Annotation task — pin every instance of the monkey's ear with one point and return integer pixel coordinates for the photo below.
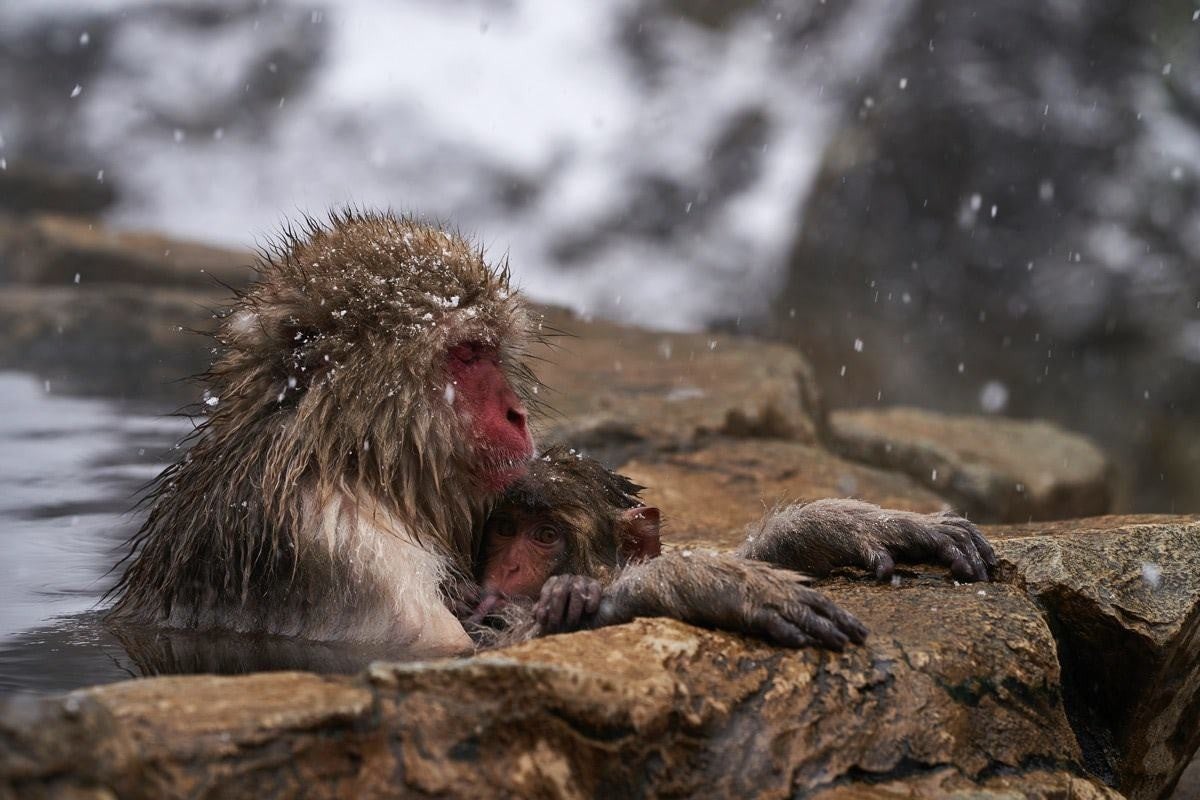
(640, 533)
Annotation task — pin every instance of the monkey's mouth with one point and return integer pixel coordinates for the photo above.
(500, 473)
(499, 479)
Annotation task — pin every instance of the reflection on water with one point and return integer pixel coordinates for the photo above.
(63, 653)
(70, 472)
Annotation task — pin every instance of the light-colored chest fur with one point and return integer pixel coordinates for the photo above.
(401, 601)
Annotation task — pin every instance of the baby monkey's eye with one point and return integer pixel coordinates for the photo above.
(503, 527)
(546, 534)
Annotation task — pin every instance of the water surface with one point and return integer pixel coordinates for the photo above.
(70, 472)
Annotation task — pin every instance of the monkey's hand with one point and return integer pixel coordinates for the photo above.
(567, 603)
(821, 536)
(726, 592)
(472, 603)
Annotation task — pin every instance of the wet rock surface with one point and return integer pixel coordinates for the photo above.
(1189, 784)
(1123, 596)
(994, 469)
(975, 689)
(650, 708)
(1033, 785)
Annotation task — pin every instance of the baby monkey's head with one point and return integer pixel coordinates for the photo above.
(568, 514)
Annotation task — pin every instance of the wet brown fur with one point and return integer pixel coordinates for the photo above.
(329, 379)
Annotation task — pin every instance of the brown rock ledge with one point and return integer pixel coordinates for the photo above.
(983, 690)
(28, 187)
(994, 469)
(622, 390)
(1122, 595)
(52, 250)
(646, 709)
(119, 339)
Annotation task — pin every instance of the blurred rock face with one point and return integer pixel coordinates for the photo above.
(1011, 205)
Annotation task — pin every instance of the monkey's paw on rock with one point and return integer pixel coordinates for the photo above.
(1074, 676)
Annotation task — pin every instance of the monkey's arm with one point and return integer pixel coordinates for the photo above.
(711, 590)
(821, 536)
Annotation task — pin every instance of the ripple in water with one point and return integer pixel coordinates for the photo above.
(70, 472)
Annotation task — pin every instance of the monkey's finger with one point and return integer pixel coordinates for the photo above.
(823, 630)
(881, 563)
(559, 605)
(960, 567)
(548, 618)
(851, 625)
(539, 614)
(974, 544)
(984, 547)
(981, 570)
(846, 622)
(547, 615)
(779, 631)
(591, 596)
(967, 546)
(575, 604)
(543, 607)
(989, 555)
(485, 607)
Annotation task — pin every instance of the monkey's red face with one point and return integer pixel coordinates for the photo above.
(521, 550)
(494, 414)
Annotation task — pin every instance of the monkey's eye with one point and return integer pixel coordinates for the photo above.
(502, 527)
(546, 534)
(467, 353)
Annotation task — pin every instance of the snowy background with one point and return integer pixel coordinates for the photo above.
(530, 123)
(980, 208)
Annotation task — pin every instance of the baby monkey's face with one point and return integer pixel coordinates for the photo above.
(522, 548)
(566, 515)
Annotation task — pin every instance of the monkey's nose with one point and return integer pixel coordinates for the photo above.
(517, 417)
